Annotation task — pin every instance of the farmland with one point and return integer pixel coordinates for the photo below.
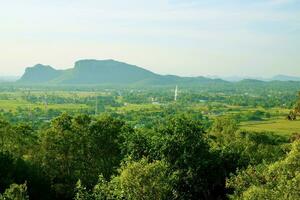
(138, 105)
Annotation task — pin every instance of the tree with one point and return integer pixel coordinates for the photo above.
(58, 146)
(81, 192)
(6, 136)
(142, 180)
(15, 192)
(183, 144)
(297, 107)
(146, 181)
(223, 129)
(105, 136)
(25, 140)
(139, 143)
(293, 113)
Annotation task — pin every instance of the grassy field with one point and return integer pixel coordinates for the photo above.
(14, 104)
(281, 126)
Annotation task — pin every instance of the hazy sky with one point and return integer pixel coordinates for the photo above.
(183, 37)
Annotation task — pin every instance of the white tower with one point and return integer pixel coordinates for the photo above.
(176, 93)
(96, 106)
(46, 103)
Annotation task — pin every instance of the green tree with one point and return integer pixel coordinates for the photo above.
(105, 140)
(297, 107)
(293, 113)
(223, 129)
(183, 144)
(142, 180)
(81, 192)
(25, 139)
(58, 146)
(6, 136)
(15, 192)
(148, 181)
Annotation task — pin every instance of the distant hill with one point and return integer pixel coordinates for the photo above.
(238, 78)
(285, 78)
(111, 72)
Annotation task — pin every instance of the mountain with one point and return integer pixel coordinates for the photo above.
(105, 72)
(110, 72)
(40, 74)
(285, 78)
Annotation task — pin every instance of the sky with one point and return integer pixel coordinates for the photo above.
(182, 37)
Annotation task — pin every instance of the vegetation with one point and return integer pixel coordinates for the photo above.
(278, 180)
(88, 143)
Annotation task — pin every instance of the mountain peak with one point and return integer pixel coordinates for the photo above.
(39, 73)
(40, 67)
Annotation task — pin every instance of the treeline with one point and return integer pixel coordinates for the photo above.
(255, 96)
(179, 157)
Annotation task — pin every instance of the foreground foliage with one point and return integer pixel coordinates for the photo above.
(279, 180)
(184, 156)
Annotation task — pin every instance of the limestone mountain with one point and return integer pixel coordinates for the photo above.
(94, 72)
(40, 74)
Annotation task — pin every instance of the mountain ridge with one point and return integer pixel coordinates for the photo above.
(91, 71)
(112, 72)
(281, 77)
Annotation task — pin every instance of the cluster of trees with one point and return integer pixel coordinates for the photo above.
(265, 99)
(180, 157)
(293, 113)
(71, 148)
(256, 115)
(278, 180)
(15, 192)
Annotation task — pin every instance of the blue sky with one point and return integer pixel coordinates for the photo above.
(183, 37)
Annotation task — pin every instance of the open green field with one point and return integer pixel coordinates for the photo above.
(280, 126)
(14, 104)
